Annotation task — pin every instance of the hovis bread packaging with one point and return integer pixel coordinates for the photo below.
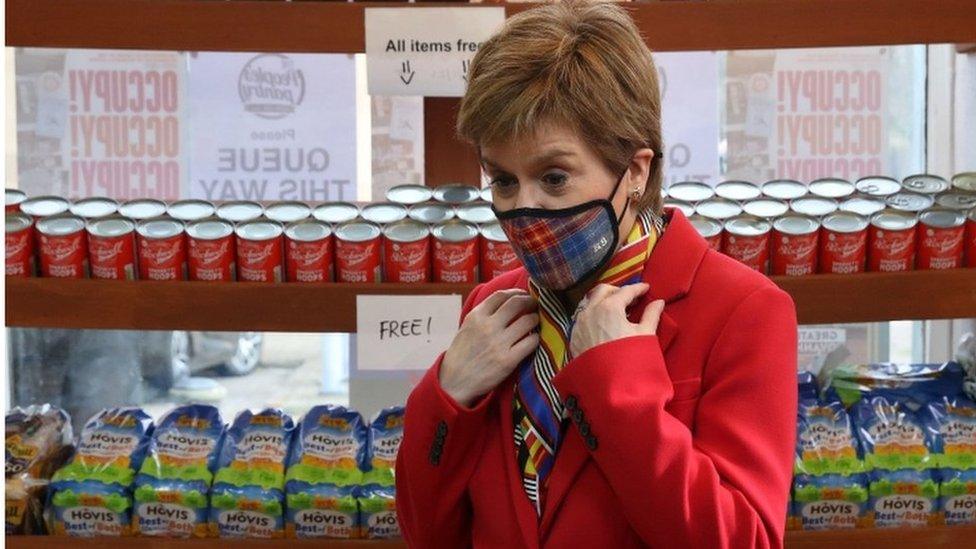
(38, 442)
(377, 497)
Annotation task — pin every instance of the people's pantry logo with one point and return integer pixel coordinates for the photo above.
(270, 86)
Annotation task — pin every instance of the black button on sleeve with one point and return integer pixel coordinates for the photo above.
(577, 416)
(571, 402)
(591, 443)
(442, 428)
(584, 429)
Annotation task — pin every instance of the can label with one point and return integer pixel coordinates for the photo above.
(456, 261)
(715, 241)
(162, 258)
(752, 251)
(406, 261)
(939, 248)
(971, 243)
(310, 261)
(497, 258)
(211, 260)
(19, 249)
(259, 260)
(891, 251)
(64, 256)
(112, 257)
(793, 254)
(358, 261)
(843, 253)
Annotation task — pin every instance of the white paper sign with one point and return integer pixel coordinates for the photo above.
(404, 332)
(425, 51)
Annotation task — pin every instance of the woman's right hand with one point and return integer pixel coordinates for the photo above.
(493, 340)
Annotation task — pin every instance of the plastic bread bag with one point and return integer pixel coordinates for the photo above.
(807, 386)
(955, 453)
(377, 499)
(912, 384)
(172, 485)
(38, 442)
(825, 440)
(829, 502)
(92, 494)
(247, 498)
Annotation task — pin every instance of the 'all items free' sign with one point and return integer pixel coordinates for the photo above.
(425, 51)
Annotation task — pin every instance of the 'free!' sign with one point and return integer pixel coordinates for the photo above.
(404, 332)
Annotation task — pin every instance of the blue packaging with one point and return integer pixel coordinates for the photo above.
(954, 419)
(915, 385)
(377, 498)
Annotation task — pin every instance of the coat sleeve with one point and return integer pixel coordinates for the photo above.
(727, 482)
(441, 440)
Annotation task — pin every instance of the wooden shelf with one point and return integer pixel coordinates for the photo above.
(240, 306)
(52, 542)
(337, 27)
(884, 538)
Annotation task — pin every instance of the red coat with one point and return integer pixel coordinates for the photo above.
(691, 432)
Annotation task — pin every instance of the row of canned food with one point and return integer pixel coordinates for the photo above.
(454, 239)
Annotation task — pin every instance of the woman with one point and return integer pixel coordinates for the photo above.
(628, 386)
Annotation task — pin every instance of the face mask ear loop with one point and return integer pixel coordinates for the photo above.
(613, 193)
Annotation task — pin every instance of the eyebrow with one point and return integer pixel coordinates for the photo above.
(541, 159)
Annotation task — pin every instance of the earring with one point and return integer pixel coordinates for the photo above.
(635, 193)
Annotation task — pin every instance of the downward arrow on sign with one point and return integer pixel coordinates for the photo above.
(407, 75)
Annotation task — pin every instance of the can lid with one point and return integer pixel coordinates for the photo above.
(409, 194)
(925, 183)
(336, 212)
(190, 210)
(486, 195)
(494, 232)
(43, 206)
(814, 205)
(431, 213)
(690, 191)
(685, 207)
(159, 227)
(110, 227)
(17, 221)
(766, 207)
(308, 230)
(863, 205)
(357, 231)
(845, 222)
(784, 189)
(239, 211)
(143, 208)
(406, 230)
(737, 190)
(972, 215)
(15, 196)
(96, 206)
(288, 211)
(796, 224)
(475, 213)
(956, 200)
(455, 231)
(894, 220)
(831, 187)
(210, 229)
(456, 193)
(60, 225)
(383, 213)
(877, 185)
(718, 208)
(260, 229)
(910, 202)
(942, 218)
(747, 225)
(706, 226)
(965, 181)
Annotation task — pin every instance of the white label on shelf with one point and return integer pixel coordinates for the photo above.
(425, 51)
(404, 332)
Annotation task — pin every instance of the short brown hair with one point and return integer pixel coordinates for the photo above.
(578, 63)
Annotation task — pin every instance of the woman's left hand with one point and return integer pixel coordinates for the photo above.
(603, 316)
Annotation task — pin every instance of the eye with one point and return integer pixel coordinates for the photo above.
(555, 179)
(504, 183)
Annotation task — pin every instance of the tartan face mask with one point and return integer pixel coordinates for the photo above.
(563, 248)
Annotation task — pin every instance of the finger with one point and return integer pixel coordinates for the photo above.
(523, 325)
(497, 299)
(652, 316)
(599, 293)
(524, 347)
(515, 307)
(628, 294)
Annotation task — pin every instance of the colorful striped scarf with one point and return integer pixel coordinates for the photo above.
(538, 410)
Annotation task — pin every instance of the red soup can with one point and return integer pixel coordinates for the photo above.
(19, 245)
(358, 255)
(940, 238)
(44, 206)
(63, 246)
(709, 229)
(309, 253)
(142, 208)
(843, 244)
(406, 252)
(13, 199)
(456, 252)
(161, 242)
(497, 255)
(211, 250)
(191, 210)
(95, 207)
(747, 241)
(971, 238)
(259, 251)
(112, 248)
(891, 241)
(794, 245)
